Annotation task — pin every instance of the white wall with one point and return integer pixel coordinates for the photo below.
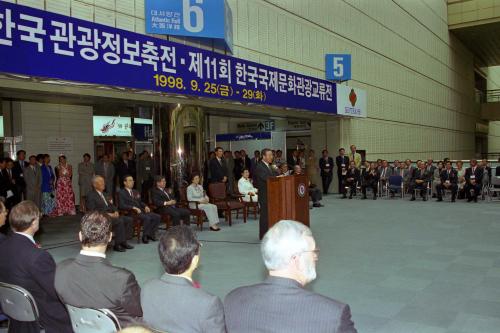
(43, 120)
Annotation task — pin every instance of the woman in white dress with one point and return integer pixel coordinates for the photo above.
(246, 188)
(196, 193)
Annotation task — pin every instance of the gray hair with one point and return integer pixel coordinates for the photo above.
(95, 178)
(284, 240)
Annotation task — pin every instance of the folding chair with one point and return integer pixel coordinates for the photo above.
(18, 304)
(395, 184)
(85, 320)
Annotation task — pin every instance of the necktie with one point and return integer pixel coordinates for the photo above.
(103, 198)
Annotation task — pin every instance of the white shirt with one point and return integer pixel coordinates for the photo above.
(27, 236)
(93, 254)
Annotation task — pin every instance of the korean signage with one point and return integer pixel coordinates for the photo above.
(351, 101)
(243, 137)
(253, 126)
(43, 44)
(195, 18)
(338, 67)
(112, 126)
(143, 129)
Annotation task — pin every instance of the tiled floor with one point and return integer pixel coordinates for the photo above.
(402, 266)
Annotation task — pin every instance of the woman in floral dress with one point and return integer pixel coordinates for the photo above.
(65, 197)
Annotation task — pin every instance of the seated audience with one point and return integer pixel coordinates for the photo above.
(246, 188)
(385, 172)
(436, 178)
(350, 180)
(283, 169)
(281, 303)
(371, 178)
(448, 181)
(473, 179)
(195, 192)
(314, 191)
(122, 225)
(172, 302)
(484, 164)
(24, 263)
(166, 203)
(419, 181)
(90, 281)
(130, 199)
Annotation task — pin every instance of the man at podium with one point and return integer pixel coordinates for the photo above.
(263, 170)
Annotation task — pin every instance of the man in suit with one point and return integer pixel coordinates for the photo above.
(473, 178)
(350, 180)
(106, 169)
(314, 192)
(189, 309)
(247, 162)
(371, 178)
(354, 156)
(90, 281)
(33, 180)
(13, 197)
(25, 264)
(145, 174)
(166, 203)
(326, 167)
(449, 181)
(125, 167)
(293, 160)
(281, 303)
(342, 162)
(130, 199)
(18, 173)
(218, 169)
(419, 180)
(229, 161)
(122, 225)
(263, 171)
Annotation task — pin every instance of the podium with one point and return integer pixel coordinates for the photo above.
(288, 199)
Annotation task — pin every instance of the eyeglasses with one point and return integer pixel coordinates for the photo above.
(315, 251)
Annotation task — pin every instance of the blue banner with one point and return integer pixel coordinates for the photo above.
(195, 18)
(243, 136)
(38, 43)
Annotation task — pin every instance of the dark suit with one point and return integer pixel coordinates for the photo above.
(293, 161)
(121, 225)
(419, 174)
(218, 170)
(473, 182)
(123, 169)
(448, 178)
(18, 175)
(176, 213)
(353, 174)
(92, 282)
(150, 220)
(283, 305)
(262, 173)
(25, 265)
(339, 160)
(189, 309)
(371, 178)
(326, 167)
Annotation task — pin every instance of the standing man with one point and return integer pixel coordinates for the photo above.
(106, 169)
(342, 162)
(228, 158)
(130, 199)
(326, 167)
(33, 179)
(263, 171)
(218, 168)
(144, 174)
(354, 156)
(18, 173)
(125, 167)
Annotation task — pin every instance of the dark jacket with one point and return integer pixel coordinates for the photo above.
(339, 160)
(123, 170)
(127, 201)
(478, 174)
(159, 197)
(92, 282)
(323, 166)
(22, 263)
(282, 305)
(371, 177)
(452, 176)
(17, 172)
(419, 174)
(261, 174)
(95, 202)
(217, 170)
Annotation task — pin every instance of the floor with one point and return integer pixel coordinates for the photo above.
(402, 266)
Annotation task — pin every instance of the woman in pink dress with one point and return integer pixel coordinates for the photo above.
(65, 197)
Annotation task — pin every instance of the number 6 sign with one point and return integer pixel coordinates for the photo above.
(338, 67)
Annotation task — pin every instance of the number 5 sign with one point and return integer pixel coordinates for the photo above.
(338, 67)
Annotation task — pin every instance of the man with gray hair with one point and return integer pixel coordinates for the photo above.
(281, 303)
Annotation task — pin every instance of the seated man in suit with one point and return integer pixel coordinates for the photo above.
(350, 180)
(314, 191)
(419, 181)
(122, 225)
(449, 181)
(281, 303)
(23, 263)
(90, 281)
(473, 179)
(370, 180)
(130, 199)
(189, 309)
(166, 203)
